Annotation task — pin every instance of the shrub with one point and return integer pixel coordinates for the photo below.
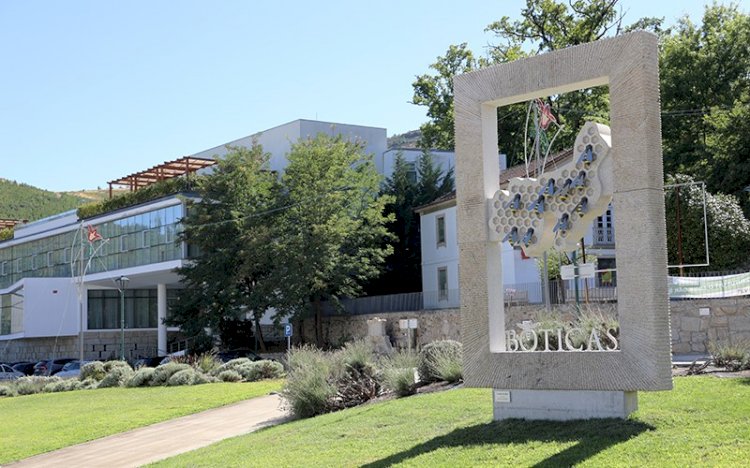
(93, 370)
(234, 364)
(440, 360)
(6, 391)
(207, 363)
(307, 390)
(32, 384)
(163, 372)
(182, 377)
(398, 372)
(63, 386)
(89, 383)
(230, 376)
(265, 369)
(733, 357)
(117, 376)
(110, 365)
(357, 354)
(142, 377)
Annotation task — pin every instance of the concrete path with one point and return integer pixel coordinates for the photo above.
(166, 439)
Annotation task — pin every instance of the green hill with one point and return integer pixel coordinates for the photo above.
(22, 201)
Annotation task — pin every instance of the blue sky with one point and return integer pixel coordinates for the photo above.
(94, 90)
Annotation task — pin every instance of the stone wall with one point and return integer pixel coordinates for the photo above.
(697, 323)
(433, 325)
(727, 320)
(97, 345)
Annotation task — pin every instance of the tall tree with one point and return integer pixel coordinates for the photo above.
(231, 238)
(704, 90)
(403, 269)
(545, 25)
(333, 230)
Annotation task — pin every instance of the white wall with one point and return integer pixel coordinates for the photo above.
(278, 140)
(435, 257)
(445, 160)
(50, 307)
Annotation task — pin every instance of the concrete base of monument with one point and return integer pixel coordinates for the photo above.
(563, 405)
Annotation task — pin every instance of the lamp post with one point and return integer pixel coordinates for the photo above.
(122, 282)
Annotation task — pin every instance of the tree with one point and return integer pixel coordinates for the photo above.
(545, 25)
(704, 90)
(728, 229)
(230, 234)
(333, 234)
(403, 269)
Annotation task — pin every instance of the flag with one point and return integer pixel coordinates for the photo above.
(93, 235)
(545, 117)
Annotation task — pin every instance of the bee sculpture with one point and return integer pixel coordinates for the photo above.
(583, 186)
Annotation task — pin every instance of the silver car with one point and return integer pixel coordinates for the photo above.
(7, 373)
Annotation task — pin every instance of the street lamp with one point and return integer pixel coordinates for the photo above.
(122, 281)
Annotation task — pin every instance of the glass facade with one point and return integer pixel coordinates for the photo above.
(140, 308)
(141, 239)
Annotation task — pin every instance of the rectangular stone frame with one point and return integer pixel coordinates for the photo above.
(629, 65)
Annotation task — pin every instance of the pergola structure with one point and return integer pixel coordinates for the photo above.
(9, 223)
(163, 171)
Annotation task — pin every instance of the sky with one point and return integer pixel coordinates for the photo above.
(94, 90)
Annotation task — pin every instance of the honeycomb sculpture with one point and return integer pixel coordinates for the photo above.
(555, 210)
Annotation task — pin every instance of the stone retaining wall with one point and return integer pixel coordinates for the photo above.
(98, 345)
(727, 320)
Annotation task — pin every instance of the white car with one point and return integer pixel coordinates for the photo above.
(7, 373)
(71, 370)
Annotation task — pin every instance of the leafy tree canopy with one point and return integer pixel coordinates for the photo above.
(545, 25)
(332, 234)
(231, 238)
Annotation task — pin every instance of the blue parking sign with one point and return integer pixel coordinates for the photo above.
(288, 330)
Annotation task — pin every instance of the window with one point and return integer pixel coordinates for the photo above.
(124, 243)
(411, 171)
(18, 265)
(442, 284)
(145, 239)
(50, 259)
(34, 262)
(4, 268)
(440, 220)
(66, 255)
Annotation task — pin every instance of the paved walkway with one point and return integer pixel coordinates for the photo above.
(166, 439)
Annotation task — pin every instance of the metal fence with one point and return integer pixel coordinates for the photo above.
(560, 292)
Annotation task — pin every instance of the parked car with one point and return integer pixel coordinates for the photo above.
(7, 373)
(71, 369)
(148, 362)
(26, 368)
(51, 367)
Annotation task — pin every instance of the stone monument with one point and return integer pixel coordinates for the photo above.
(566, 383)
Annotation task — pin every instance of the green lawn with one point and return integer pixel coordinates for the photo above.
(704, 421)
(35, 424)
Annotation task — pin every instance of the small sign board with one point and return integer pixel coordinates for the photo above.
(502, 396)
(288, 331)
(585, 270)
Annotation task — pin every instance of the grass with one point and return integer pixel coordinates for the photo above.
(704, 421)
(35, 424)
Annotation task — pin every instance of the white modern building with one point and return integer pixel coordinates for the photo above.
(48, 308)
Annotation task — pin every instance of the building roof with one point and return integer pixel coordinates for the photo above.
(449, 199)
(165, 170)
(9, 223)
